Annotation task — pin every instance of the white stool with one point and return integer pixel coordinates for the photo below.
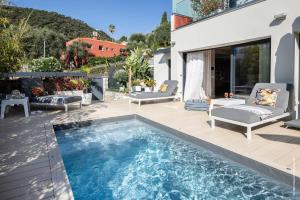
(8, 102)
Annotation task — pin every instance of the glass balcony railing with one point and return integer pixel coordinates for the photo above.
(196, 10)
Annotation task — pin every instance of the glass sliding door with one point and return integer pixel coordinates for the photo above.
(250, 65)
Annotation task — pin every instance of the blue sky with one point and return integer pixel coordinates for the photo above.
(129, 16)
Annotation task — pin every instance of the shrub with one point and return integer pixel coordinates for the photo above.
(93, 61)
(86, 69)
(49, 64)
(150, 83)
(121, 76)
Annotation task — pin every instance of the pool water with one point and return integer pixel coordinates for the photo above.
(133, 160)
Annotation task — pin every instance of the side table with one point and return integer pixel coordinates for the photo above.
(8, 102)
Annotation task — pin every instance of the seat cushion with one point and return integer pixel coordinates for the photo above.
(147, 95)
(56, 99)
(293, 123)
(242, 115)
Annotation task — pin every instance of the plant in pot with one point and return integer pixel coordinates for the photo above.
(87, 96)
(206, 8)
(150, 84)
(137, 85)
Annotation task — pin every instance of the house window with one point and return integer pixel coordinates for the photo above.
(112, 49)
(250, 65)
(101, 48)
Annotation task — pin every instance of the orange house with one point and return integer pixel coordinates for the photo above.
(100, 48)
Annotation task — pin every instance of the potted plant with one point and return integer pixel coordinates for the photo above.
(87, 96)
(150, 84)
(137, 85)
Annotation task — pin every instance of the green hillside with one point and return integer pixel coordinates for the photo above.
(58, 23)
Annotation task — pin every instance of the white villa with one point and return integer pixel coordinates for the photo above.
(232, 48)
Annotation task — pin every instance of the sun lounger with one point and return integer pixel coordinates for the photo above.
(293, 124)
(154, 96)
(250, 119)
(57, 100)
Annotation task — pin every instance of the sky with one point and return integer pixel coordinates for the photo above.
(129, 16)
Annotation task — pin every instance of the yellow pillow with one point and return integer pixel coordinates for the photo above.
(266, 97)
(163, 88)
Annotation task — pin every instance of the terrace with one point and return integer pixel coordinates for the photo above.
(190, 11)
(31, 166)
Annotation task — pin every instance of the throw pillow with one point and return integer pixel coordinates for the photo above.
(163, 88)
(266, 97)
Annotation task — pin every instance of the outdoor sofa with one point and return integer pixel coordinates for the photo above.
(250, 119)
(170, 93)
(57, 100)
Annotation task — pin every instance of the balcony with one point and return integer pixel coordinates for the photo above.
(188, 11)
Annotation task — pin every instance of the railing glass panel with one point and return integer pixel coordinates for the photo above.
(200, 9)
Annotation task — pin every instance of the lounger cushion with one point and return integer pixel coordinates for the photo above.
(171, 91)
(242, 115)
(293, 123)
(147, 95)
(172, 87)
(56, 99)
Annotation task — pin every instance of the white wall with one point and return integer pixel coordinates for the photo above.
(161, 70)
(246, 24)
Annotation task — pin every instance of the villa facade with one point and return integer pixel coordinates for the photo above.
(234, 47)
(100, 48)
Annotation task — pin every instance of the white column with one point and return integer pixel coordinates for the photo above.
(296, 74)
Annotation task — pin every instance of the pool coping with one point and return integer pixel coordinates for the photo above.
(263, 169)
(61, 185)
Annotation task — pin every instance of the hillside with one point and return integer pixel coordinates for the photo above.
(58, 23)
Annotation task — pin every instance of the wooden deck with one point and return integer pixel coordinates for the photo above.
(31, 166)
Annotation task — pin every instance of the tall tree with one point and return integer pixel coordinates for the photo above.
(161, 36)
(164, 18)
(112, 29)
(34, 40)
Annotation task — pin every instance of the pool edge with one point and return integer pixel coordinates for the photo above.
(266, 170)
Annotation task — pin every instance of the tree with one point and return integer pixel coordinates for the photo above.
(138, 37)
(137, 40)
(161, 36)
(112, 29)
(77, 54)
(123, 39)
(206, 7)
(164, 18)
(33, 43)
(137, 66)
(10, 46)
(71, 28)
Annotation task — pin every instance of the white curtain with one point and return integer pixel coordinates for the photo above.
(194, 76)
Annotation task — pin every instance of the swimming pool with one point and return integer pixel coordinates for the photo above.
(131, 159)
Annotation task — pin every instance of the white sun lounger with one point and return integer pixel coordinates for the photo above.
(249, 119)
(155, 96)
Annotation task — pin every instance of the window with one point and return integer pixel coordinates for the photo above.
(250, 65)
(101, 48)
(112, 49)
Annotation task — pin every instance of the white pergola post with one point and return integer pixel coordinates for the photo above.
(296, 74)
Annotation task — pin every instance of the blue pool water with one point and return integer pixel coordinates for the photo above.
(133, 160)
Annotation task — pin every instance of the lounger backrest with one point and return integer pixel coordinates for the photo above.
(283, 96)
(172, 87)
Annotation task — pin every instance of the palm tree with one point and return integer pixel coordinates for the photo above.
(112, 29)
